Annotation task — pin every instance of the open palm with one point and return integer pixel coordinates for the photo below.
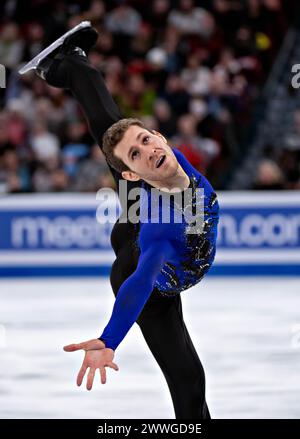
(96, 357)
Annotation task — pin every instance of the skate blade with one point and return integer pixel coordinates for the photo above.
(35, 61)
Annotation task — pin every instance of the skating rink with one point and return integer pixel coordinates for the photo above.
(245, 330)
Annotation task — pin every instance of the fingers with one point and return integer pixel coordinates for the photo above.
(103, 375)
(113, 366)
(73, 347)
(90, 379)
(91, 374)
(103, 371)
(89, 345)
(81, 374)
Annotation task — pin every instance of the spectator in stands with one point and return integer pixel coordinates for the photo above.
(14, 175)
(292, 139)
(75, 150)
(165, 117)
(269, 176)
(137, 99)
(123, 20)
(158, 15)
(199, 151)
(11, 45)
(49, 176)
(16, 124)
(197, 78)
(176, 95)
(44, 144)
(188, 19)
(93, 173)
(34, 40)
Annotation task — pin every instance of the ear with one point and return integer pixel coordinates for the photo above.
(159, 135)
(131, 176)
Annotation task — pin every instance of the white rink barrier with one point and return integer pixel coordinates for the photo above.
(58, 235)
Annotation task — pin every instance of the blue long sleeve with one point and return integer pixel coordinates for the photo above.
(135, 291)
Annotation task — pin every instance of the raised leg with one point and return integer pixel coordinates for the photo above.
(74, 72)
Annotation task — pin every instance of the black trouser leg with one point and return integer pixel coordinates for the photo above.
(74, 72)
(165, 332)
(161, 322)
(87, 85)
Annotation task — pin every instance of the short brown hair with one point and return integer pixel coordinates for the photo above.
(112, 136)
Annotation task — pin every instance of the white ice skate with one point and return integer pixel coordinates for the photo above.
(38, 58)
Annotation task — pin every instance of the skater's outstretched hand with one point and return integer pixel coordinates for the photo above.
(97, 356)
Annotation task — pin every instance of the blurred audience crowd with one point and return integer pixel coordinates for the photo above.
(190, 69)
(280, 166)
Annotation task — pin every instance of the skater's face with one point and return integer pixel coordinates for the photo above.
(147, 155)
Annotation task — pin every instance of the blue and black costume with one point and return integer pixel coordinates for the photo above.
(161, 320)
(171, 259)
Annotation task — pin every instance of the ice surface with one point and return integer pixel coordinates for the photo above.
(246, 332)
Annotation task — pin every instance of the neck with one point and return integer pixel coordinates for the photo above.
(177, 183)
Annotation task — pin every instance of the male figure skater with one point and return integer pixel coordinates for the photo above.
(154, 262)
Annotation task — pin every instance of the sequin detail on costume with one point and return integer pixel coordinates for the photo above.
(199, 249)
